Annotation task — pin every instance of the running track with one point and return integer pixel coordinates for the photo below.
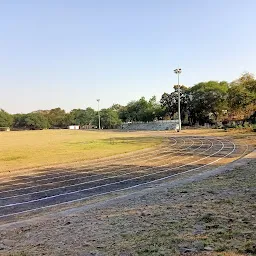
(26, 194)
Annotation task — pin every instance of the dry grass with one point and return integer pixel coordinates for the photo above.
(28, 149)
(49, 148)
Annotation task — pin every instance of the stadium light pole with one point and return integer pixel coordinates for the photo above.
(99, 111)
(178, 72)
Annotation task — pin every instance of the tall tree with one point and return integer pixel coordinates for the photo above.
(57, 118)
(170, 102)
(141, 110)
(209, 101)
(19, 121)
(82, 116)
(242, 96)
(109, 119)
(6, 120)
(116, 107)
(36, 121)
(31, 121)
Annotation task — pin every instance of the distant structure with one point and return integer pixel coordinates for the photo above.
(162, 125)
(5, 129)
(88, 127)
(74, 127)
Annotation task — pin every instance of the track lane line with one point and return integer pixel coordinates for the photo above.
(104, 185)
(88, 182)
(62, 176)
(123, 189)
(91, 162)
(41, 191)
(95, 165)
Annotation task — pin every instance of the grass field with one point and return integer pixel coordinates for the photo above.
(29, 149)
(33, 149)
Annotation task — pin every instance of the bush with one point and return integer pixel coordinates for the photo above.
(246, 124)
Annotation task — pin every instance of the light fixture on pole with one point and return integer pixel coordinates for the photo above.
(99, 112)
(178, 72)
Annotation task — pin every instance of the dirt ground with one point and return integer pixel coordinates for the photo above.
(215, 216)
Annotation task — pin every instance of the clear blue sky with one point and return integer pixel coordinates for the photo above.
(68, 53)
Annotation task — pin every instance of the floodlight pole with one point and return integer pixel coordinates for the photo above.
(178, 72)
(99, 111)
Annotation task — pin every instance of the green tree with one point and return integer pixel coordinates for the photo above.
(242, 96)
(141, 110)
(170, 102)
(6, 120)
(67, 120)
(208, 101)
(57, 118)
(82, 116)
(36, 121)
(19, 120)
(109, 119)
(116, 107)
(31, 121)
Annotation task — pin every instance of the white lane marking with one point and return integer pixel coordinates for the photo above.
(127, 168)
(107, 178)
(94, 165)
(104, 185)
(41, 185)
(91, 162)
(118, 190)
(73, 174)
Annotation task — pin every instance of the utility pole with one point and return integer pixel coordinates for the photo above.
(99, 112)
(178, 72)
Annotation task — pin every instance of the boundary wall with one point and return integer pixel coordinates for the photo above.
(161, 125)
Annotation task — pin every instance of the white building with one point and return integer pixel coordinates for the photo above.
(74, 127)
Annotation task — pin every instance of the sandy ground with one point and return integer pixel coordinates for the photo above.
(196, 216)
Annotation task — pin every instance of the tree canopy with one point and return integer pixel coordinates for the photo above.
(242, 96)
(6, 120)
(82, 116)
(210, 101)
(141, 110)
(109, 119)
(31, 121)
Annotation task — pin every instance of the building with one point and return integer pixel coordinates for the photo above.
(74, 127)
(5, 129)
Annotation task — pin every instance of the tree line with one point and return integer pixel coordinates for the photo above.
(206, 102)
